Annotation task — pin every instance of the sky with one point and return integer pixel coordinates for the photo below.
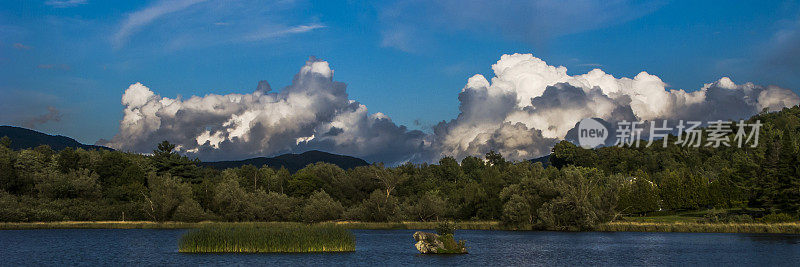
(67, 65)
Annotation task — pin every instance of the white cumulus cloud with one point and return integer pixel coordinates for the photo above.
(521, 112)
(313, 112)
(529, 105)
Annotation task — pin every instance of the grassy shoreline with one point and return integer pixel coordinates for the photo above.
(477, 225)
(623, 226)
(694, 227)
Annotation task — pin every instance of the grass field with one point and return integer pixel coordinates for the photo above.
(251, 238)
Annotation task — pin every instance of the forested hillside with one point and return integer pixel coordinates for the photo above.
(580, 189)
(292, 162)
(22, 138)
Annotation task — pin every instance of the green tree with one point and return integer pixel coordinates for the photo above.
(787, 193)
(80, 183)
(427, 207)
(170, 199)
(377, 208)
(525, 199)
(321, 207)
(5, 142)
(389, 179)
(638, 195)
(517, 212)
(449, 170)
(9, 180)
(274, 206)
(231, 201)
(68, 160)
(586, 197)
(495, 158)
(166, 160)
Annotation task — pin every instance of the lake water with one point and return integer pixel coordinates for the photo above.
(396, 247)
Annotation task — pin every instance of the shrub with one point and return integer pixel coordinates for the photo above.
(427, 207)
(724, 217)
(189, 211)
(517, 212)
(80, 183)
(717, 216)
(778, 218)
(231, 201)
(377, 208)
(445, 228)
(586, 198)
(166, 195)
(321, 207)
(451, 246)
(275, 206)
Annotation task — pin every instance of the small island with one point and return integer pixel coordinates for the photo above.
(442, 243)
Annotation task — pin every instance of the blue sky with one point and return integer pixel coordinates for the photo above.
(406, 59)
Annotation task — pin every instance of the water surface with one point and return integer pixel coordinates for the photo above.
(396, 247)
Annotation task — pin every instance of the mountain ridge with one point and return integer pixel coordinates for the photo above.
(292, 162)
(22, 138)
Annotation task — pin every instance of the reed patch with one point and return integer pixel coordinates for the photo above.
(287, 238)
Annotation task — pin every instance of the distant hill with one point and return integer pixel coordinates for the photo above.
(22, 138)
(292, 162)
(545, 160)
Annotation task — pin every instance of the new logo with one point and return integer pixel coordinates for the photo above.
(591, 133)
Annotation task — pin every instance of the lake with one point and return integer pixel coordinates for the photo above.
(396, 247)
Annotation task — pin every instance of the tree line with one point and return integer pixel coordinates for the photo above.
(579, 189)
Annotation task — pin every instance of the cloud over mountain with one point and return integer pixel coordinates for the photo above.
(521, 112)
(543, 103)
(311, 113)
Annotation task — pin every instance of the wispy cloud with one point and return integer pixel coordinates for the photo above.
(408, 24)
(54, 66)
(21, 46)
(272, 33)
(180, 24)
(52, 115)
(65, 3)
(783, 50)
(141, 18)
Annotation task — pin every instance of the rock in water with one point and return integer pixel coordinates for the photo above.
(427, 242)
(430, 243)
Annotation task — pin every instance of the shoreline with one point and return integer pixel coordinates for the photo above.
(694, 227)
(682, 227)
(477, 225)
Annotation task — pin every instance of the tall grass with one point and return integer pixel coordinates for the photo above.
(255, 239)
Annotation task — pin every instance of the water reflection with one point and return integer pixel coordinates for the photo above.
(774, 238)
(396, 247)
